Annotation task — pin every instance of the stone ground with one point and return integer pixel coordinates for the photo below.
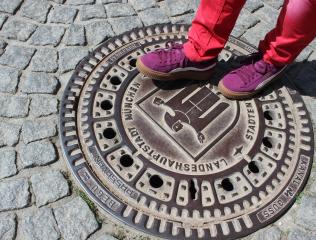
(41, 42)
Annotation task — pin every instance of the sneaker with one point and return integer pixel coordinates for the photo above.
(248, 80)
(172, 64)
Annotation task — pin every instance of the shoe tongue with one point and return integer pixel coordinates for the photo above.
(261, 66)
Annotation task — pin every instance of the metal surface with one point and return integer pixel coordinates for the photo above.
(178, 160)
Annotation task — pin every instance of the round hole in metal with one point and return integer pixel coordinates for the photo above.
(267, 142)
(126, 160)
(132, 62)
(227, 184)
(252, 166)
(109, 133)
(115, 80)
(268, 115)
(155, 181)
(106, 105)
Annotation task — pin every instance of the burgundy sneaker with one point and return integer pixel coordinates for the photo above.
(248, 80)
(172, 64)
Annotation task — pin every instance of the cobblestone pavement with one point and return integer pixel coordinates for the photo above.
(41, 42)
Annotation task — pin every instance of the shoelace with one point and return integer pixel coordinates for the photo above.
(169, 51)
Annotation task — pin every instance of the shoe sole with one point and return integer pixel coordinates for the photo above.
(244, 95)
(194, 75)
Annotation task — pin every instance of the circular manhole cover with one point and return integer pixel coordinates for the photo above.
(178, 160)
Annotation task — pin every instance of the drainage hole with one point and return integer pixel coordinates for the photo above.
(227, 185)
(267, 142)
(115, 80)
(132, 62)
(192, 190)
(268, 115)
(126, 160)
(106, 105)
(253, 167)
(155, 181)
(109, 133)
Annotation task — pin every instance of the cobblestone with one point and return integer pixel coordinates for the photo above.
(14, 106)
(49, 187)
(80, 2)
(152, 16)
(8, 79)
(92, 11)
(7, 163)
(298, 234)
(119, 10)
(308, 221)
(253, 5)
(61, 14)
(47, 35)
(38, 82)
(70, 57)
(43, 105)
(7, 226)
(35, 9)
(40, 225)
(119, 24)
(18, 30)
(38, 153)
(178, 7)
(75, 220)
(274, 3)
(183, 19)
(3, 18)
(17, 56)
(44, 60)
(75, 36)
(97, 32)
(267, 14)
(37, 129)
(9, 6)
(14, 194)
(140, 5)
(9, 133)
(106, 237)
(269, 233)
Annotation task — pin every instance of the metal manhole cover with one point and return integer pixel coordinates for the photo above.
(177, 160)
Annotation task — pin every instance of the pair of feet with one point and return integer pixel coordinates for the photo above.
(172, 64)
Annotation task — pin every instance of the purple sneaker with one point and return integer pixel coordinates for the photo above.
(248, 80)
(172, 64)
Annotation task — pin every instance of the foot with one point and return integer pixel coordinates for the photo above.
(248, 80)
(172, 64)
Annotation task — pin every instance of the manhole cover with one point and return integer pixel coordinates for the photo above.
(178, 160)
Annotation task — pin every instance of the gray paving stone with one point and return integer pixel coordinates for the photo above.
(80, 2)
(253, 5)
(44, 60)
(70, 57)
(246, 20)
(9, 6)
(269, 233)
(178, 7)
(9, 133)
(306, 216)
(268, 14)
(238, 31)
(58, 1)
(3, 44)
(119, 10)
(49, 187)
(38, 153)
(7, 163)
(98, 32)
(61, 14)
(33, 130)
(43, 105)
(92, 12)
(183, 19)
(257, 33)
(111, 1)
(75, 36)
(124, 24)
(40, 225)
(38, 82)
(35, 9)
(14, 106)
(277, 4)
(14, 194)
(3, 18)
(47, 35)
(7, 226)
(307, 51)
(140, 5)
(18, 30)
(9, 57)
(106, 237)
(75, 220)
(153, 16)
(298, 234)
(8, 79)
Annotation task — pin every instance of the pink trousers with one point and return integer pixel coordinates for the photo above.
(215, 19)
